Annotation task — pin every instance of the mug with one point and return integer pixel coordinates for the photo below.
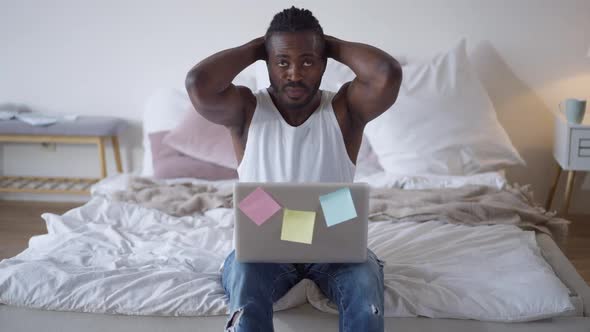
(574, 110)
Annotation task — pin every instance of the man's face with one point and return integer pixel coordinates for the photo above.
(295, 64)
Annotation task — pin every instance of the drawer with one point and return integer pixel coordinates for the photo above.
(580, 149)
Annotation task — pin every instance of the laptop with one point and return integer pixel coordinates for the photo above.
(301, 222)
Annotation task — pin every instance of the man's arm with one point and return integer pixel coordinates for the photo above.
(378, 77)
(210, 88)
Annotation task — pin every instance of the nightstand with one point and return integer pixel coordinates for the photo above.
(571, 150)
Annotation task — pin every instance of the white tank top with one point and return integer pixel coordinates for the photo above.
(311, 152)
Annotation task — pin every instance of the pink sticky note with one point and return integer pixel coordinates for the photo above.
(259, 206)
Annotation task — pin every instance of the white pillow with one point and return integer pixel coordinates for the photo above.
(367, 162)
(167, 107)
(443, 122)
(387, 180)
(163, 111)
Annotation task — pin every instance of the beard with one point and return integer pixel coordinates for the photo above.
(289, 103)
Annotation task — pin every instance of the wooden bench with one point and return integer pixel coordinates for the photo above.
(83, 130)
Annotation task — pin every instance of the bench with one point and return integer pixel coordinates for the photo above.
(84, 130)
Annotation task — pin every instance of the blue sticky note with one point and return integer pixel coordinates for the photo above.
(338, 206)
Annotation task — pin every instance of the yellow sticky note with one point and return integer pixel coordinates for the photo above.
(298, 226)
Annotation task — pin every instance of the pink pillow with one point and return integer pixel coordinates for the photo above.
(201, 139)
(169, 163)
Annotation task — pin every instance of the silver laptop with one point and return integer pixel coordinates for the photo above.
(301, 222)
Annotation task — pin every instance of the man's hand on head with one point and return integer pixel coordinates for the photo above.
(210, 88)
(378, 77)
(260, 48)
(331, 47)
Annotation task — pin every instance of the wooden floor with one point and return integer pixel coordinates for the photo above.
(577, 246)
(21, 220)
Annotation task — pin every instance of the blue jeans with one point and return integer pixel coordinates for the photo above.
(252, 288)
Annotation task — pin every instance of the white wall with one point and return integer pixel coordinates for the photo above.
(106, 57)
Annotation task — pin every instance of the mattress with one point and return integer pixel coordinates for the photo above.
(305, 317)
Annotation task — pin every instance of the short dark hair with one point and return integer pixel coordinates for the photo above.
(294, 20)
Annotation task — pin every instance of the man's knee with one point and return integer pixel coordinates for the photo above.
(364, 289)
(245, 276)
(257, 279)
(366, 276)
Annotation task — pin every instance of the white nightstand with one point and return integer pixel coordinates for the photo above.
(571, 149)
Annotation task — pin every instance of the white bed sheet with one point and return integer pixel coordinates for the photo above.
(390, 180)
(114, 257)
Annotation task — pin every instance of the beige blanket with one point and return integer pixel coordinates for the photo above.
(174, 199)
(471, 205)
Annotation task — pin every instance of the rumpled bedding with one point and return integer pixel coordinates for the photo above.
(469, 205)
(125, 255)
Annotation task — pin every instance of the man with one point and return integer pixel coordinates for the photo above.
(294, 132)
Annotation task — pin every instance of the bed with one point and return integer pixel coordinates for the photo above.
(131, 260)
(104, 266)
